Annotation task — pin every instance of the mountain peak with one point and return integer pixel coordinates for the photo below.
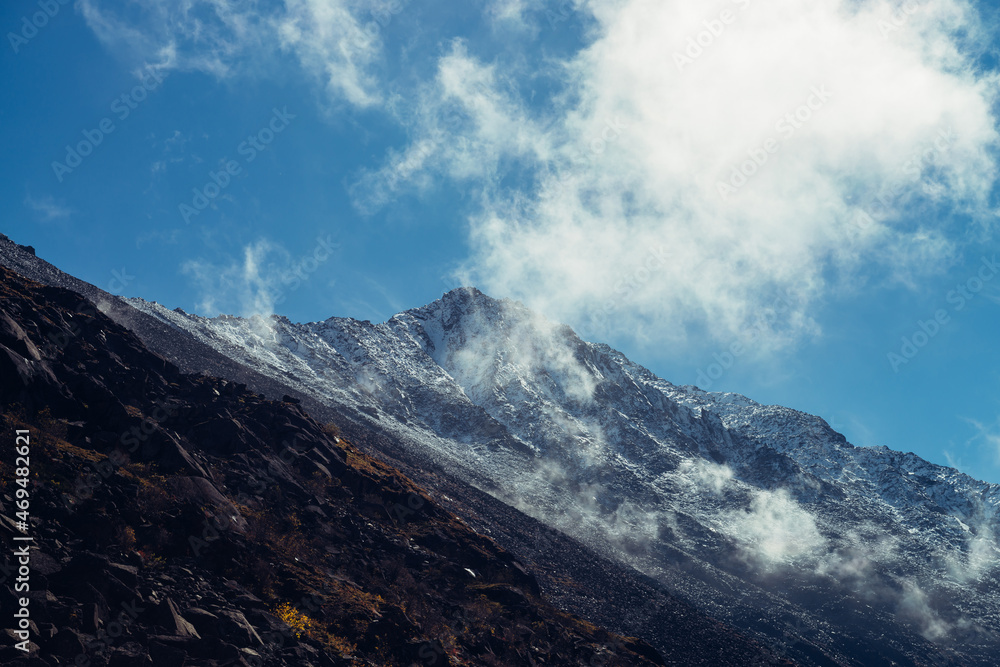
(466, 292)
(469, 298)
(583, 439)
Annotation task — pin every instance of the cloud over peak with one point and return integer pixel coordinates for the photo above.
(772, 150)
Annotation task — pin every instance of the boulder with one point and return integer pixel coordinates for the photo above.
(199, 491)
(204, 621)
(166, 615)
(233, 625)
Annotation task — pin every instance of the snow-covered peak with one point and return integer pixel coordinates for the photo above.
(581, 437)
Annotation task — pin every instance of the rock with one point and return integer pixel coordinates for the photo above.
(81, 567)
(41, 605)
(127, 574)
(250, 657)
(234, 626)
(130, 654)
(38, 387)
(11, 638)
(90, 617)
(47, 631)
(165, 653)
(642, 648)
(13, 336)
(248, 601)
(166, 615)
(506, 595)
(205, 622)
(199, 491)
(216, 649)
(272, 629)
(66, 642)
(226, 437)
(162, 448)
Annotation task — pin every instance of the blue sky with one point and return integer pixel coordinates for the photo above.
(812, 188)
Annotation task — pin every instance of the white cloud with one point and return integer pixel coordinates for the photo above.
(223, 38)
(402, 171)
(331, 42)
(776, 529)
(513, 14)
(630, 157)
(978, 558)
(256, 282)
(196, 35)
(703, 474)
(245, 285)
(914, 606)
(47, 208)
(468, 124)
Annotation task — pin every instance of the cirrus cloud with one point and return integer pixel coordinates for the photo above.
(333, 40)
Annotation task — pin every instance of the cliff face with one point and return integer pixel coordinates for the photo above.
(185, 520)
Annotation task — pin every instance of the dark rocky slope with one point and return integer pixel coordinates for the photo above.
(184, 520)
(572, 576)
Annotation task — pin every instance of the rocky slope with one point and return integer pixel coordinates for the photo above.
(578, 579)
(184, 520)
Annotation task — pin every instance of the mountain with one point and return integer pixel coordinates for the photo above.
(667, 501)
(185, 520)
(859, 555)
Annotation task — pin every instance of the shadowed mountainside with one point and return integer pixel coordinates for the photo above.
(570, 574)
(186, 520)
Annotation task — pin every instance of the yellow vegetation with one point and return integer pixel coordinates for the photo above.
(295, 619)
(126, 538)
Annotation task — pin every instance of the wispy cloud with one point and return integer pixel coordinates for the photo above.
(223, 38)
(703, 474)
(513, 14)
(256, 281)
(468, 125)
(334, 45)
(209, 36)
(242, 284)
(915, 606)
(47, 208)
(987, 436)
